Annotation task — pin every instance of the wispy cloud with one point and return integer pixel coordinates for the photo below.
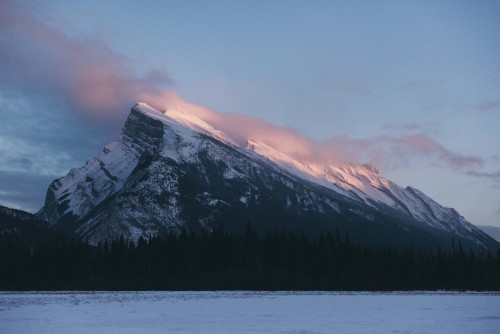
(394, 151)
(494, 176)
(23, 190)
(86, 75)
(97, 83)
(411, 128)
(485, 106)
(388, 151)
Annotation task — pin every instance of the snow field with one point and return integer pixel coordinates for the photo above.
(249, 312)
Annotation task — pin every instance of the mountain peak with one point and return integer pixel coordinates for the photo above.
(146, 109)
(189, 120)
(173, 170)
(143, 106)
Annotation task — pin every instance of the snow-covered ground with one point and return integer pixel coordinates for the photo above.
(249, 312)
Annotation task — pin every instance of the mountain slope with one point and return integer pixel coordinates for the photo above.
(492, 231)
(171, 171)
(22, 227)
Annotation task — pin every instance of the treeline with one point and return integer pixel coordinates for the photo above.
(220, 261)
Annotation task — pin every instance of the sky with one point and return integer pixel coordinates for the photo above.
(410, 87)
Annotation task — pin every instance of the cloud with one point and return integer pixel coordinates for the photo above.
(495, 176)
(85, 75)
(387, 152)
(485, 106)
(411, 127)
(95, 82)
(19, 155)
(23, 190)
(426, 146)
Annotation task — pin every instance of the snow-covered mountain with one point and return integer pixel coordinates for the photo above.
(172, 171)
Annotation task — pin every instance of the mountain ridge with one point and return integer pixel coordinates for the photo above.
(172, 170)
(492, 231)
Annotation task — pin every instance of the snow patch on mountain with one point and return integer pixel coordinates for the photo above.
(197, 124)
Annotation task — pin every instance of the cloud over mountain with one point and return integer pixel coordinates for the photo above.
(86, 75)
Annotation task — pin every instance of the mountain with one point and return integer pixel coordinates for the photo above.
(492, 231)
(22, 226)
(172, 171)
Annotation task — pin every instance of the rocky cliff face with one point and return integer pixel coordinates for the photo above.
(77, 193)
(168, 172)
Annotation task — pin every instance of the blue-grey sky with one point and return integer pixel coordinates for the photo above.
(412, 87)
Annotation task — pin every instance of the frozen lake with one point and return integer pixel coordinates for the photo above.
(249, 312)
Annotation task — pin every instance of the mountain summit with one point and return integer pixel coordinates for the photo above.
(172, 171)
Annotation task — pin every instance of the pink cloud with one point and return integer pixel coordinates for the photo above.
(98, 84)
(238, 127)
(426, 146)
(384, 151)
(86, 75)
